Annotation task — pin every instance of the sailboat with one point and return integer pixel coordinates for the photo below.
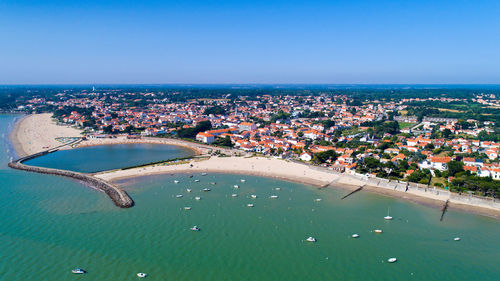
(388, 217)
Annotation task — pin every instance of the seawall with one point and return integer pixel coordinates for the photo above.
(119, 196)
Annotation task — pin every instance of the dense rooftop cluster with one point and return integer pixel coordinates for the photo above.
(443, 141)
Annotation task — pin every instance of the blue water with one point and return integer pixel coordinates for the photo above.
(108, 157)
(50, 225)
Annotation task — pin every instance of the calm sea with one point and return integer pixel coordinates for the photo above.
(50, 225)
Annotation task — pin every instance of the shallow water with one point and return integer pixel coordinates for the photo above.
(49, 225)
(107, 157)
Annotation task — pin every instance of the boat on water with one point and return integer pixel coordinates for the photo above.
(250, 205)
(277, 188)
(203, 174)
(197, 198)
(242, 180)
(355, 235)
(188, 190)
(391, 260)
(273, 196)
(78, 271)
(141, 275)
(456, 239)
(213, 183)
(206, 189)
(196, 180)
(311, 239)
(195, 228)
(378, 231)
(236, 186)
(176, 181)
(318, 199)
(388, 217)
(178, 196)
(253, 196)
(187, 208)
(234, 195)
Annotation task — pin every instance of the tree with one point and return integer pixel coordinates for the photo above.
(216, 110)
(455, 167)
(446, 133)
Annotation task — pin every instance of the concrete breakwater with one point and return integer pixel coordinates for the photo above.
(119, 196)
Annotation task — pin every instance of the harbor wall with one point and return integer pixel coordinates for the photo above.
(117, 195)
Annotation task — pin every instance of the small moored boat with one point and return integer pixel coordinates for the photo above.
(176, 181)
(273, 196)
(197, 198)
(318, 199)
(187, 208)
(378, 231)
(253, 196)
(196, 180)
(78, 271)
(391, 260)
(250, 205)
(203, 174)
(236, 186)
(456, 239)
(178, 196)
(195, 228)
(242, 180)
(141, 275)
(311, 239)
(355, 235)
(277, 188)
(206, 189)
(234, 195)
(188, 190)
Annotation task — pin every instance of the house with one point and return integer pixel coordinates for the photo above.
(205, 137)
(247, 126)
(305, 156)
(437, 163)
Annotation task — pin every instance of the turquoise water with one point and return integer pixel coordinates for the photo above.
(108, 157)
(49, 225)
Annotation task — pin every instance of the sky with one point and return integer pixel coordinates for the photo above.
(250, 41)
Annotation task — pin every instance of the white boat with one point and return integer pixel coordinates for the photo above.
(141, 275)
(253, 196)
(250, 205)
(178, 196)
(187, 208)
(456, 239)
(242, 180)
(196, 180)
(188, 190)
(195, 228)
(277, 188)
(234, 195)
(78, 271)
(176, 181)
(388, 217)
(273, 196)
(318, 199)
(213, 183)
(391, 260)
(203, 174)
(311, 239)
(206, 189)
(197, 198)
(378, 231)
(355, 235)
(236, 186)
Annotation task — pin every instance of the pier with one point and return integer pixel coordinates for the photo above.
(443, 211)
(117, 195)
(352, 192)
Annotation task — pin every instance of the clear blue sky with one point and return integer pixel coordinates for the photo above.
(249, 41)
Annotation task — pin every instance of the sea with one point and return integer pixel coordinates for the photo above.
(50, 225)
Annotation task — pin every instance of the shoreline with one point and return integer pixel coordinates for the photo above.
(258, 166)
(290, 172)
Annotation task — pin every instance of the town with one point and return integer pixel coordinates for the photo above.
(401, 139)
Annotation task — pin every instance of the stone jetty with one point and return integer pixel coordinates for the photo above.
(119, 196)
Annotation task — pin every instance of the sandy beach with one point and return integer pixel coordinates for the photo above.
(38, 132)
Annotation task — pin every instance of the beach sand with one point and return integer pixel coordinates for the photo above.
(38, 132)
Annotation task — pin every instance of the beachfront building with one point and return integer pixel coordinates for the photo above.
(205, 137)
